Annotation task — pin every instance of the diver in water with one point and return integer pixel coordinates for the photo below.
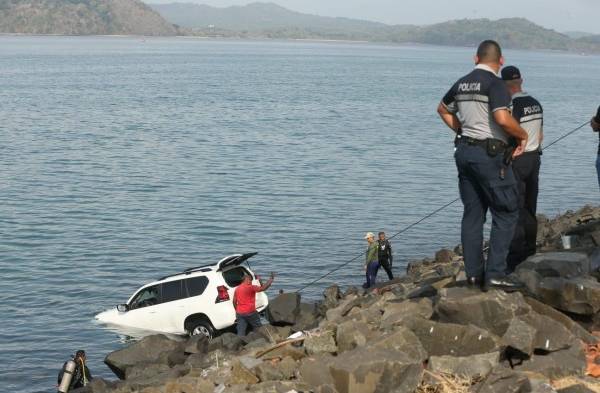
(80, 375)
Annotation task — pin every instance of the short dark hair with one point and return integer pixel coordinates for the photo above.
(489, 51)
(381, 233)
(80, 354)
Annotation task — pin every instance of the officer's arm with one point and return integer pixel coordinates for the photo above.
(595, 125)
(505, 120)
(449, 118)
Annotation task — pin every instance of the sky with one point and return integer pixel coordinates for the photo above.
(561, 15)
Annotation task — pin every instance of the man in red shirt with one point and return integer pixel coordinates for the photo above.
(244, 301)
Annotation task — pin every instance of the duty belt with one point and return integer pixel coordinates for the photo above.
(480, 142)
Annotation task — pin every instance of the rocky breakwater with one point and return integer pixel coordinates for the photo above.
(427, 332)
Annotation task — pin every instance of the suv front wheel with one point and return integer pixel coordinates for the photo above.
(203, 328)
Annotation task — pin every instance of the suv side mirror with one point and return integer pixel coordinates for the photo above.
(122, 307)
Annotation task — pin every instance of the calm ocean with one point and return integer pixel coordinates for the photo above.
(124, 159)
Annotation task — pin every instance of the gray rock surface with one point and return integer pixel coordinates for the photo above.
(284, 309)
(469, 367)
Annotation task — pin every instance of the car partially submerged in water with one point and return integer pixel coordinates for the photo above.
(195, 301)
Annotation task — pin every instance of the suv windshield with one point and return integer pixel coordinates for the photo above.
(146, 297)
(233, 277)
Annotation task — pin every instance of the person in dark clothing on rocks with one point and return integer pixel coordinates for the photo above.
(81, 376)
(476, 108)
(384, 254)
(371, 260)
(244, 302)
(595, 123)
(529, 113)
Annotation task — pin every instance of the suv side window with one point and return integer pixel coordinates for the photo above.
(171, 291)
(146, 297)
(234, 277)
(196, 285)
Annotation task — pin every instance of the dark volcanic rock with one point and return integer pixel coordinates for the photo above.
(322, 343)
(314, 370)
(284, 309)
(465, 367)
(332, 296)
(307, 317)
(503, 380)
(352, 334)
(376, 370)
(226, 341)
(196, 344)
(555, 365)
(402, 340)
(444, 256)
(520, 336)
(441, 339)
(492, 311)
(147, 350)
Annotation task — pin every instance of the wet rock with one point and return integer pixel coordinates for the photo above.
(491, 311)
(465, 367)
(441, 339)
(322, 343)
(520, 337)
(376, 370)
(196, 344)
(352, 334)
(401, 339)
(147, 350)
(332, 296)
(240, 375)
(284, 309)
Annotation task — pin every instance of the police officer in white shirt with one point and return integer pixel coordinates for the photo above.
(530, 115)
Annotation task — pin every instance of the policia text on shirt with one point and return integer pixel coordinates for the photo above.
(477, 108)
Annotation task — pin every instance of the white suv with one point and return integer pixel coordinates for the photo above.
(196, 301)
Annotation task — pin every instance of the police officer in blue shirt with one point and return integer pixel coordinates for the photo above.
(477, 108)
(530, 115)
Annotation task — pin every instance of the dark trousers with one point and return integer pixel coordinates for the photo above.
(485, 183)
(243, 320)
(372, 268)
(387, 266)
(527, 171)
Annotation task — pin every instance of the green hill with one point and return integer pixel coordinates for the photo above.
(267, 20)
(81, 17)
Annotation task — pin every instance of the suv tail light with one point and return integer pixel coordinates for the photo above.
(222, 294)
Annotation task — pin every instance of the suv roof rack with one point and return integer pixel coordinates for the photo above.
(204, 268)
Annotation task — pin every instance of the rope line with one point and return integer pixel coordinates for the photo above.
(414, 224)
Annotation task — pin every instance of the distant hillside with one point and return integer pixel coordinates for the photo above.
(81, 17)
(267, 20)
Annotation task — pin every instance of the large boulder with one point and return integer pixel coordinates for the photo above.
(321, 343)
(353, 334)
(307, 317)
(403, 340)
(314, 370)
(276, 371)
(491, 310)
(563, 319)
(468, 367)
(396, 311)
(558, 364)
(226, 341)
(505, 380)
(451, 339)
(577, 295)
(558, 264)
(147, 350)
(519, 338)
(332, 296)
(376, 370)
(284, 309)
